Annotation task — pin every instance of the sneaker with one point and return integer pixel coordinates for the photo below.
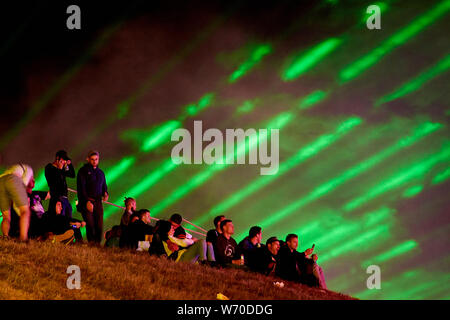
(65, 238)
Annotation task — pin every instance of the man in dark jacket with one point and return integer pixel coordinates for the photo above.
(92, 190)
(298, 266)
(56, 174)
(251, 242)
(264, 259)
(139, 229)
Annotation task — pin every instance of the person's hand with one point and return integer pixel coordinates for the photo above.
(314, 257)
(237, 262)
(90, 206)
(105, 197)
(83, 224)
(172, 246)
(76, 224)
(47, 196)
(309, 251)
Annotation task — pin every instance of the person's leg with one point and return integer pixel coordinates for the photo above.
(5, 205)
(318, 273)
(88, 217)
(210, 252)
(195, 252)
(67, 208)
(98, 220)
(78, 236)
(6, 222)
(19, 197)
(24, 222)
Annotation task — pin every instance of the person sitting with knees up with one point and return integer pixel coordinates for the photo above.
(112, 237)
(264, 259)
(165, 244)
(61, 228)
(140, 230)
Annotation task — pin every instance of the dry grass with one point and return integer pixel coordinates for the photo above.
(38, 271)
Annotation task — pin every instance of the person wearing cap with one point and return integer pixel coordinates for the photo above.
(264, 259)
(92, 190)
(56, 174)
(13, 184)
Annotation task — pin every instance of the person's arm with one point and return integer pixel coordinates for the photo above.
(105, 194)
(50, 176)
(181, 242)
(69, 170)
(219, 251)
(237, 256)
(81, 186)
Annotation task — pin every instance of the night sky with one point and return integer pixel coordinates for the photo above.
(363, 118)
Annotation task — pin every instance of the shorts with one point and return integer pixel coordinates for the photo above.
(12, 190)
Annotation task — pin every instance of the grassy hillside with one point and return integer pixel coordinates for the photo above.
(38, 271)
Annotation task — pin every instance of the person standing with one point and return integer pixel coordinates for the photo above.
(56, 174)
(92, 190)
(13, 184)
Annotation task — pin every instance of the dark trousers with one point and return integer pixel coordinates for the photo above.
(94, 222)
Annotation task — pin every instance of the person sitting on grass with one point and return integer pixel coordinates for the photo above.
(264, 259)
(130, 208)
(140, 230)
(39, 217)
(180, 232)
(226, 249)
(165, 244)
(251, 242)
(213, 234)
(112, 237)
(61, 228)
(299, 266)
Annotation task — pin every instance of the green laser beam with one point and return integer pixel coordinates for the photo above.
(312, 99)
(58, 85)
(420, 132)
(255, 57)
(277, 122)
(302, 155)
(416, 170)
(371, 237)
(416, 83)
(398, 39)
(441, 177)
(144, 185)
(309, 59)
(392, 253)
(412, 191)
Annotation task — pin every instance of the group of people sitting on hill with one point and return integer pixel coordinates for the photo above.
(24, 217)
(167, 238)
